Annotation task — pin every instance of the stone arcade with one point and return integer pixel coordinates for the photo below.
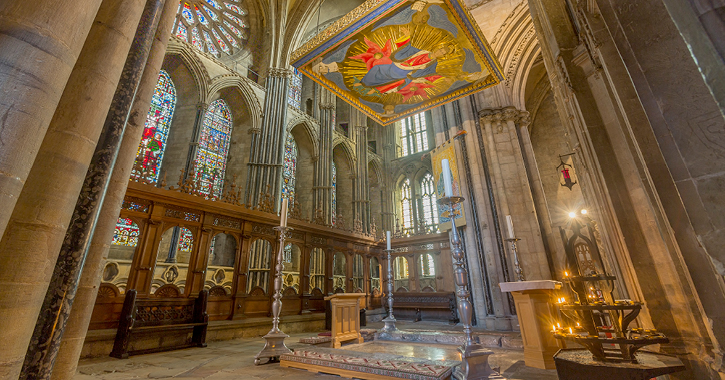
(146, 145)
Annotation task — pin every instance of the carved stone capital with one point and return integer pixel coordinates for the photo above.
(279, 72)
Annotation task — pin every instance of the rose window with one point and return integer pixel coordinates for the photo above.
(212, 26)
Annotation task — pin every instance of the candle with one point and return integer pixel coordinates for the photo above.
(553, 328)
(447, 179)
(283, 213)
(510, 225)
(387, 234)
(570, 332)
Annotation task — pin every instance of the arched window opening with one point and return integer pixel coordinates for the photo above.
(400, 273)
(294, 96)
(339, 272)
(291, 267)
(430, 205)
(126, 233)
(427, 278)
(260, 262)
(413, 135)
(172, 258)
(374, 274)
(406, 204)
(358, 274)
(334, 193)
(121, 252)
(289, 170)
(317, 270)
(156, 131)
(220, 265)
(211, 156)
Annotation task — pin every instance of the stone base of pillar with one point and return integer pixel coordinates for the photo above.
(389, 325)
(505, 323)
(474, 364)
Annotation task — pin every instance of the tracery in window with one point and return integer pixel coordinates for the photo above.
(211, 156)
(406, 204)
(429, 201)
(289, 171)
(220, 22)
(294, 97)
(156, 130)
(413, 135)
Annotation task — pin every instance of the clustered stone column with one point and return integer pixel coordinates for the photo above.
(80, 316)
(43, 210)
(267, 153)
(361, 190)
(41, 41)
(323, 166)
(63, 285)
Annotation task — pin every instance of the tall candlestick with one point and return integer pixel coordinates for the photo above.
(510, 225)
(387, 234)
(447, 178)
(283, 213)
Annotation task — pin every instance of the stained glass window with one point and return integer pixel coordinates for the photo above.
(406, 205)
(294, 97)
(156, 130)
(413, 135)
(430, 205)
(126, 233)
(290, 168)
(334, 192)
(186, 240)
(214, 28)
(211, 156)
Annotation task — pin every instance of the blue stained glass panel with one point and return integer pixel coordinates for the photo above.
(156, 129)
(289, 170)
(211, 157)
(294, 97)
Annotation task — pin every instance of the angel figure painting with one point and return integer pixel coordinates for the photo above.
(409, 56)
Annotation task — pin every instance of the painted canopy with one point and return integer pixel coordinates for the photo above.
(395, 58)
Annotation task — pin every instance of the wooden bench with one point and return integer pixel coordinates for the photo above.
(159, 315)
(435, 305)
(367, 365)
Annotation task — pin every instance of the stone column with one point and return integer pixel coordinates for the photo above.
(45, 207)
(362, 188)
(323, 170)
(41, 41)
(49, 329)
(266, 156)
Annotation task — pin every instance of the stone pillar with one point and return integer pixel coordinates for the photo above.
(41, 41)
(362, 188)
(323, 170)
(45, 207)
(266, 156)
(49, 329)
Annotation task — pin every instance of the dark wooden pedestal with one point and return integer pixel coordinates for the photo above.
(577, 364)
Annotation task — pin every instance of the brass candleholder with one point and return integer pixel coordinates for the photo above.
(274, 340)
(390, 319)
(474, 357)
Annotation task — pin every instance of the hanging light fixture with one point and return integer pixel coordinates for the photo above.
(566, 170)
(392, 59)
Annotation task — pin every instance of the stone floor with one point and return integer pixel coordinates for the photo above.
(234, 360)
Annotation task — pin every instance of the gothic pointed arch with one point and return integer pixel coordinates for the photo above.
(213, 147)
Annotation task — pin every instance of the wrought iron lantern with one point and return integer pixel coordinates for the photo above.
(566, 170)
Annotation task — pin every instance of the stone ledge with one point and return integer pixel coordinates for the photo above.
(508, 340)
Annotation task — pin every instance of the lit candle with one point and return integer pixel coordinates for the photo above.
(283, 213)
(570, 331)
(553, 328)
(510, 225)
(566, 274)
(447, 179)
(387, 234)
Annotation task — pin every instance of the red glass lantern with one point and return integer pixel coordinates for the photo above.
(565, 169)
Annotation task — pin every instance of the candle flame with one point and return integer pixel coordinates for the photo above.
(570, 331)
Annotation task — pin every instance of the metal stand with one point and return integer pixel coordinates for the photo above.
(474, 357)
(274, 345)
(517, 265)
(390, 320)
